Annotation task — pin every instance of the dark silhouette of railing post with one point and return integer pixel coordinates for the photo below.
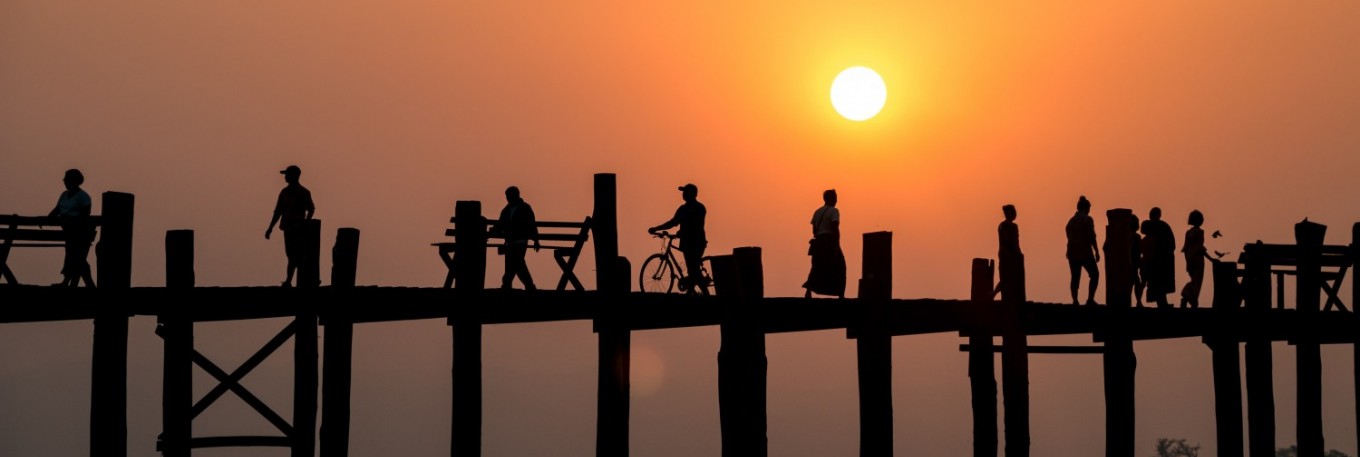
(742, 365)
(873, 347)
(982, 364)
(309, 272)
(1120, 361)
(1015, 374)
(1260, 384)
(108, 392)
(1309, 237)
(176, 329)
(611, 327)
(470, 255)
(304, 346)
(1355, 299)
(335, 387)
(1223, 341)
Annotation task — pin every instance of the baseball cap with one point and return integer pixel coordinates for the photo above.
(291, 170)
(689, 187)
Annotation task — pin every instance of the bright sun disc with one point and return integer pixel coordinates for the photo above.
(858, 93)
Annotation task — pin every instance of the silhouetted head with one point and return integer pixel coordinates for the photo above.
(1196, 218)
(291, 173)
(1009, 211)
(1133, 221)
(73, 179)
(1083, 205)
(829, 197)
(689, 192)
(1147, 227)
(1155, 214)
(512, 194)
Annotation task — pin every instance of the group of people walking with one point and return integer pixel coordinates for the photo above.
(1153, 253)
(1153, 244)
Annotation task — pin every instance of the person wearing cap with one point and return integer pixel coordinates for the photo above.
(690, 217)
(73, 209)
(1082, 252)
(294, 206)
(517, 225)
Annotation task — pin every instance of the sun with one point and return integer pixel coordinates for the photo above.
(858, 93)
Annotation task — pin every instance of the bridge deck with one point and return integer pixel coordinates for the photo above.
(648, 311)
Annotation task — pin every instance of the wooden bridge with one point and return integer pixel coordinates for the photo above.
(739, 308)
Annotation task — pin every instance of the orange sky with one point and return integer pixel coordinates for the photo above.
(395, 110)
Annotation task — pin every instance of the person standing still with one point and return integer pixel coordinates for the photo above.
(293, 206)
(1195, 253)
(1159, 262)
(517, 225)
(1011, 261)
(827, 275)
(690, 217)
(73, 209)
(1082, 251)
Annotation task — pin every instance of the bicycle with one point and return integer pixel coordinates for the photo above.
(663, 271)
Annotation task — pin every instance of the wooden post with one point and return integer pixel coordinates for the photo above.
(611, 326)
(309, 272)
(1227, 370)
(304, 382)
(873, 347)
(114, 251)
(470, 253)
(1309, 237)
(1120, 361)
(742, 365)
(176, 329)
(335, 387)
(1355, 300)
(108, 393)
(981, 365)
(1260, 384)
(1015, 374)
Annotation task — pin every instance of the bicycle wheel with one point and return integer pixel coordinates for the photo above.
(656, 275)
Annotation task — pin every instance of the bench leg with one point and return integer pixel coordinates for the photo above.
(568, 273)
(447, 257)
(7, 274)
(1332, 298)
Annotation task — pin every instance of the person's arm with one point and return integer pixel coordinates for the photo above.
(274, 220)
(533, 226)
(311, 207)
(1094, 247)
(675, 220)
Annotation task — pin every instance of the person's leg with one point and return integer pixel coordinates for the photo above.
(694, 259)
(522, 268)
(291, 247)
(511, 268)
(82, 263)
(1093, 271)
(1075, 267)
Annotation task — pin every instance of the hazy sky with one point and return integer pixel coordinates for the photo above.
(395, 110)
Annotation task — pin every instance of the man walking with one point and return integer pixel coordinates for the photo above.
(293, 206)
(518, 226)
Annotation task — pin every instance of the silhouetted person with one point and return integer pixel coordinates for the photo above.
(294, 206)
(827, 276)
(1136, 259)
(1010, 261)
(1082, 251)
(1194, 260)
(73, 209)
(518, 226)
(690, 217)
(1159, 262)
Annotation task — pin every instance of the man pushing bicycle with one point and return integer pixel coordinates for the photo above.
(690, 217)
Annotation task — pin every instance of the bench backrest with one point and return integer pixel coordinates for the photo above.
(43, 230)
(552, 234)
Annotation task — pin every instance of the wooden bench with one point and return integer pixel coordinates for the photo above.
(564, 239)
(30, 231)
